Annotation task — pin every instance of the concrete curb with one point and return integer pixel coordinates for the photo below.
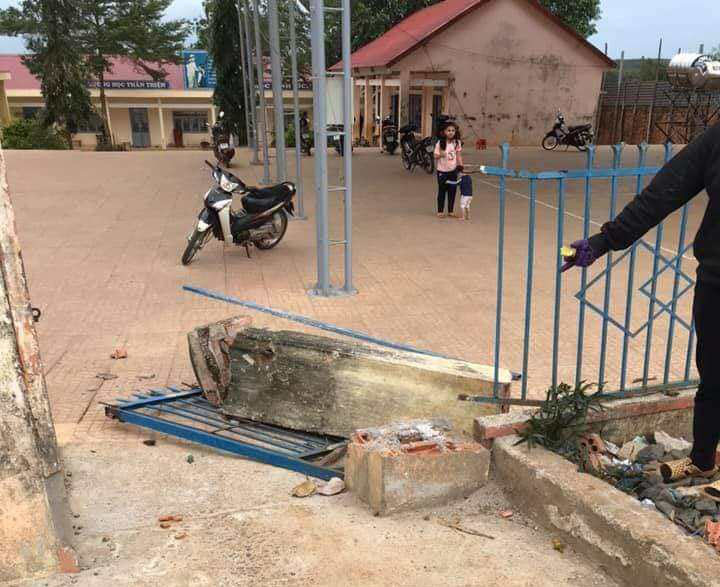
(635, 545)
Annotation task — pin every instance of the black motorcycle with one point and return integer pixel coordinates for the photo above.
(389, 135)
(222, 148)
(414, 152)
(261, 223)
(336, 133)
(306, 141)
(571, 136)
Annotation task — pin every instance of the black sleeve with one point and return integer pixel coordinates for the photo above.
(680, 180)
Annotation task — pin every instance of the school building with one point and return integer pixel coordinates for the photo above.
(176, 112)
(502, 67)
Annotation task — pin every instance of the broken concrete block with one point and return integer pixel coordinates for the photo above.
(331, 386)
(412, 465)
(630, 449)
(670, 443)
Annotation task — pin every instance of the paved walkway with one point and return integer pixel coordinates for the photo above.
(102, 235)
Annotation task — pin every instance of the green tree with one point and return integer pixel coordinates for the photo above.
(48, 27)
(131, 29)
(581, 15)
(224, 46)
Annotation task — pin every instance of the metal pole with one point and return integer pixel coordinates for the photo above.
(278, 106)
(613, 140)
(255, 160)
(347, 144)
(296, 113)
(261, 88)
(654, 100)
(317, 36)
(246, 90)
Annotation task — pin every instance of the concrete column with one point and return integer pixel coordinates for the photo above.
(213, 116)
(381, 98)
(446, 99)
(404, 97)
(161, 116)
(367, 112)
(427, 100)
(4, 106)
(34, 516)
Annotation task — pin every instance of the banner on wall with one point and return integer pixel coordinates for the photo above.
(198, 70)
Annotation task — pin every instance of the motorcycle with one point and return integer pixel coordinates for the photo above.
(261, 223)
(573, 136)
(336, 132)
(415, 153)
(222, 147)
(389, 135)
(305, 136)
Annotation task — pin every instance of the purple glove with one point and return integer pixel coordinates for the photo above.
(584, 255)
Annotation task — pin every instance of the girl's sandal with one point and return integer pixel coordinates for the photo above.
(441, 215)
(683, 468)
(711, 491)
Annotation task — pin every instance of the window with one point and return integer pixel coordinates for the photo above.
(29, 112)
(93, 125)
(191, 122)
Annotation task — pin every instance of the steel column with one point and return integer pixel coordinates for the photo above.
(505, 155)
(317, 38)
(261, 89)
(347, 143)
(296, 115)
(278, 105)
(255, 160)
(246, 89)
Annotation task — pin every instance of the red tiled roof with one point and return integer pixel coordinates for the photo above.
(122, 69)
(422, 25)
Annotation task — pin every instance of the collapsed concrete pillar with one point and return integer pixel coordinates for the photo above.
(34, 516)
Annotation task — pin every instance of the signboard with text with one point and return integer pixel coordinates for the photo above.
(136, 84)
(198, 70)
(287, 85)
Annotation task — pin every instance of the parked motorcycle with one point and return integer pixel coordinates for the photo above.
(222, 146)
(336, 133)
(414, 152)
(305, 136)
(261, 223)
(573, 136)
(389, 135)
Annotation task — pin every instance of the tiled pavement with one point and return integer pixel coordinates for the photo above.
(102, 235)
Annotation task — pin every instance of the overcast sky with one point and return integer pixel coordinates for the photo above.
(633, 25)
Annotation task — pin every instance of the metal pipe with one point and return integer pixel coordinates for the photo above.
(246, 89)
(528, 286)
(278, 106)
(653, 288)
(505, 152)
(558, 276)
(317, 38)
(676, 287)
(642, 154)
(617, 158)
(584, 272)
(654, 100)
(255, 160)
(261, 89)
(347, 142)
(296, 115)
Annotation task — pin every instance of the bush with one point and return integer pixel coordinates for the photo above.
(31, 134)
(290, 136)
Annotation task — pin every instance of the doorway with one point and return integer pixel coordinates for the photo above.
(140, 127)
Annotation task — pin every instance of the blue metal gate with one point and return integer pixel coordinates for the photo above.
(625, 362)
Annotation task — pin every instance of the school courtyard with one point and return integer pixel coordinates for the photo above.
(102, 235)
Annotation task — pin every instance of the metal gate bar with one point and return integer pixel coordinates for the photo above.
(188, 415)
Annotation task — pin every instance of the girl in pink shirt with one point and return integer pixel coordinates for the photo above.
(448, 160)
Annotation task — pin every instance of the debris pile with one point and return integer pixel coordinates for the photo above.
(634, 468)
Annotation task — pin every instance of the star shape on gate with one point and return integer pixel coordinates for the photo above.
(680, 288)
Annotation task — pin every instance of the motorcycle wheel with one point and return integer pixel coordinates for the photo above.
(406, 160)
(195, 243)
(391, 149)
(269, 243)
(550, 143)
(428, 163)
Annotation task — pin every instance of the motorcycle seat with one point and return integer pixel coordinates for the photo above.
(260, 199)
(580, 127)
(408, 128)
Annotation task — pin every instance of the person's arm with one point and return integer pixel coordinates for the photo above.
(439, 153)
(459, 155)
(680, 180)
